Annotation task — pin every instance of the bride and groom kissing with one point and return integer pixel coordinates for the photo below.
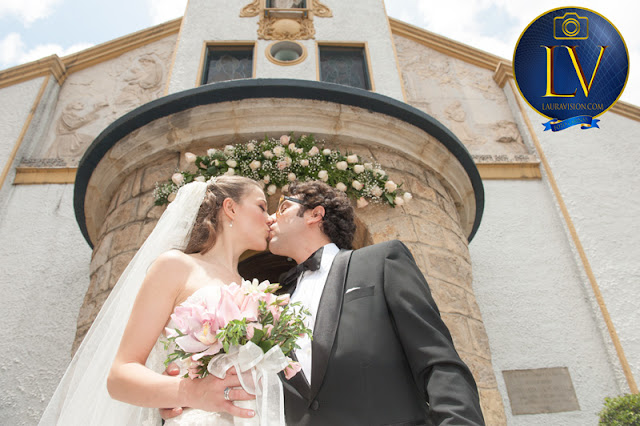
(380, 353)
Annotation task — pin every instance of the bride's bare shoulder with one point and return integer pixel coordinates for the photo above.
(172, 264)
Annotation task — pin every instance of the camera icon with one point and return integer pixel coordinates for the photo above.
(571, 26)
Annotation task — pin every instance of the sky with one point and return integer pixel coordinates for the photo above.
(34, 29)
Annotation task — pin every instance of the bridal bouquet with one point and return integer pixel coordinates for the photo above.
(245, 316)
(244, 326)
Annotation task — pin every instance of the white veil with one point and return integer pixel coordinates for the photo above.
(81, 397)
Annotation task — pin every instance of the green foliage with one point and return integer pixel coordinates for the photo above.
(621, 411)
(276, 163)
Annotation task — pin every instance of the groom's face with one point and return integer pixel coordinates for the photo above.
(286, 228)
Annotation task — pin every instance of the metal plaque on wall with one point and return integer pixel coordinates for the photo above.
(542, 390)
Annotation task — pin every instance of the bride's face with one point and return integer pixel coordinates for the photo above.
(252, 220)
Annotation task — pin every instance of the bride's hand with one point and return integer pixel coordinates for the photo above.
(169, 413)
(208, 394)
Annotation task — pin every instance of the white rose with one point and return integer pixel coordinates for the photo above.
(266, 179)
(278, 150)
(177, 178)
(284, 139)
(358, 168)
(199, 179)
(292, 146)
(376, 191)
(255, 165)
(352, 159)
(304, 162)
(390, 186)
(326, 151)
(232, 163)
(407, 196)
(271, 189)
(361, 203)
(268, 154)
(380, 172)
(356, 185)
(216, 163)
(211, 151)
(228, 149)
(190, 157)
(341, 187)
(368, 166)
(231, 171)
(342, 165)
(171, 197)
(291, 177)
(398, 201)
(323, 175)
(288, 160)
(251, 146)
(314, 151)
(285, 188)
(299, 150)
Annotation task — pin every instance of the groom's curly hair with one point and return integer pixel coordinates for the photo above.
(339, 218)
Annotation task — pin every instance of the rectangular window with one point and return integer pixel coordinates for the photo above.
(228, 63)
(344, 65)
(286, 4)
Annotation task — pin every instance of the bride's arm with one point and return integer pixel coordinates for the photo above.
(131, 381)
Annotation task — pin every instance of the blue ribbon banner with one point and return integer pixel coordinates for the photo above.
(556, 125)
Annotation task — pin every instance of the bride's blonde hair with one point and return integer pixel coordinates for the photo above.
(205, 230)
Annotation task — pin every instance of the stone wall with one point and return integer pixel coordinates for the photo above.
(429, 225)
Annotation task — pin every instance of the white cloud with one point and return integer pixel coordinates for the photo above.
(13, 50)
(10, 48)
(27, 11)
(165, 10)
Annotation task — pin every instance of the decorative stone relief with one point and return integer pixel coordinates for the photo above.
(93, 98)
(286, 29)
(464, 97)
(272, 27)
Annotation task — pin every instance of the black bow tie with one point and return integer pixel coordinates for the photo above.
(289, 279)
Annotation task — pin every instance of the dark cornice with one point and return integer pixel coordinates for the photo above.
(269, 88)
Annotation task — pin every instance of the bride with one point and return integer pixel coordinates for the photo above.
(194, 247)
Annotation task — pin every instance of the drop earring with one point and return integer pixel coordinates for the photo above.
(231, 224)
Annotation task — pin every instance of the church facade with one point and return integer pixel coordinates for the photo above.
(525, 237)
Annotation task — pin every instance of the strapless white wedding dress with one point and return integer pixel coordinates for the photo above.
(189, 416)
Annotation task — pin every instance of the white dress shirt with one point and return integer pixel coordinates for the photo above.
(308, 292)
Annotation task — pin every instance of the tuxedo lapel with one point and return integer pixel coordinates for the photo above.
(327, 318)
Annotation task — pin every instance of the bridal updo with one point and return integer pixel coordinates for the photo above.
(205, 230)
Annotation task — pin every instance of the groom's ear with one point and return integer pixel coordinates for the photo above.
(315, 215)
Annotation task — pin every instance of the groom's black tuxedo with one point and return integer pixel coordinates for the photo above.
(381, 354)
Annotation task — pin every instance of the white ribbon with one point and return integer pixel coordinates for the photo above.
(258, 374)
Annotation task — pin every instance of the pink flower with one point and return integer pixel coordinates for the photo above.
(314, 151)
(361, 202)
(282, 165)
(177, 178)
(190, 157)
(283, 299)
(267, 329)
(284, 139)
(227, 310)
(292, 369)
(251, 329)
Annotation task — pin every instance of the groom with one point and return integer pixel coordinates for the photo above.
(380, 352)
